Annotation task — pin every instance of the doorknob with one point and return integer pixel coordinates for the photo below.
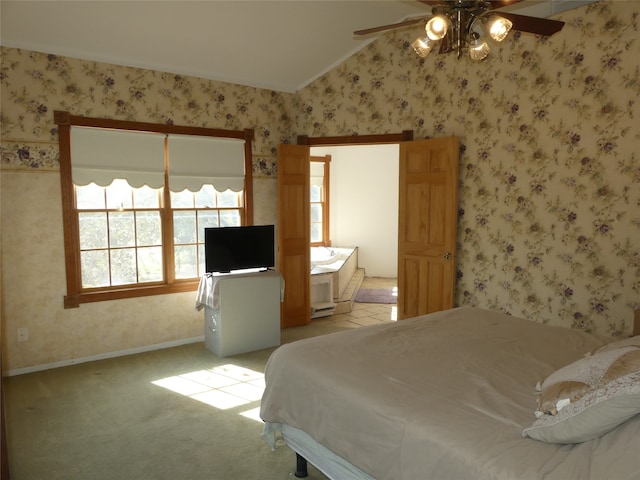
(447, 256)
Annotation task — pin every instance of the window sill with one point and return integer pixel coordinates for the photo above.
(74, 300)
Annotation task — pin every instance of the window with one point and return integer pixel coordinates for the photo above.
(319, 177)
(137, 198)
(120, 231)
(192, 213)
(120, 234)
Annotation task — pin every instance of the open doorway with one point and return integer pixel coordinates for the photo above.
(427, 223)
(363, 192)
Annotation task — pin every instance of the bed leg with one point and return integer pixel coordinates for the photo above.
(301, 466)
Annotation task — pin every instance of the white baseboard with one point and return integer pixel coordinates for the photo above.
(103, 356)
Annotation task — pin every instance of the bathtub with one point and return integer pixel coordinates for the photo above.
(341, 262)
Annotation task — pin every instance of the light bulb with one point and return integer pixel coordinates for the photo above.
(436, 28)
(479, 50)
(422, 46)
(499, 28)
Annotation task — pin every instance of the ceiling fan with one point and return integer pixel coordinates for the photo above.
(465, 26)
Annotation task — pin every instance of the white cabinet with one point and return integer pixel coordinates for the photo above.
(244, 314)
(322, 295)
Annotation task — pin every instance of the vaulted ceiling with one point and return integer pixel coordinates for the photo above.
(279, 45)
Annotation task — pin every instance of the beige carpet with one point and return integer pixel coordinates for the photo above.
(109, 420)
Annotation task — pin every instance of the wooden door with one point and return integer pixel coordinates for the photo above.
(427, 227)
(294, 234)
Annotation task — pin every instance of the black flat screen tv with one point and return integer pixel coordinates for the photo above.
(239, 248)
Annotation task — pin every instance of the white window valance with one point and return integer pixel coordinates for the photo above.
(101, 155)
(195, 161)
(317, 173)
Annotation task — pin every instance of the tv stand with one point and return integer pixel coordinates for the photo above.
(245, 315)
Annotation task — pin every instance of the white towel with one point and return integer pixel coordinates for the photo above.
(207, 295)
(209, 290)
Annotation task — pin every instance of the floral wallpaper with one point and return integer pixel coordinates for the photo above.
(549, 213)
(35, 84)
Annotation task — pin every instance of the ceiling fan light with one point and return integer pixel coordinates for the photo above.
(436, 28)
(422, 46)
(478, 50)
(499, 28)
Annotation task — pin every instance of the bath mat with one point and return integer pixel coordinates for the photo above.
(376, 295)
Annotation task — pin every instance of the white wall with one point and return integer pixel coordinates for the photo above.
(364, 204)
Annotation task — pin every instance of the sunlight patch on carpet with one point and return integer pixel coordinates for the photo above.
(224, 387)
(253, 414)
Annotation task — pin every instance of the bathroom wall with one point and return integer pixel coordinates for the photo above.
(364, 204)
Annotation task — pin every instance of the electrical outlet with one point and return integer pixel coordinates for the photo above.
(23, 334)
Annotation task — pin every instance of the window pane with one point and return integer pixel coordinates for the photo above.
(123, 266)
(316, 232)
(206, 219)
(183, 199)
(93, 230)
(184, 227)
(201, 260)
(206, 197)
(90, 197)
(146, 197)
(229, 218)
(95, 268)
(150, 264)
(148, 229)
(316, 193)
(119, 195)
(316, 212)
(186, 261)
(229, 199)
(121, 229)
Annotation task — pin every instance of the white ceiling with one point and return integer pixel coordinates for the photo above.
(275, 44)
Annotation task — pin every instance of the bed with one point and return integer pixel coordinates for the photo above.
(462, 394)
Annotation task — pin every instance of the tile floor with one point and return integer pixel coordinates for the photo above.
(363, 314)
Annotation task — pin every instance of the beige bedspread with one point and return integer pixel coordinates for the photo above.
(445, 396)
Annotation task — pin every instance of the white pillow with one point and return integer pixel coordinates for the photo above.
(588, 397)
(594, 414)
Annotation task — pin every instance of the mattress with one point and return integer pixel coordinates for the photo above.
(442, 396)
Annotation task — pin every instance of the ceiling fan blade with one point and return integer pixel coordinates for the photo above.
(382, 28)
(502, 3)
(539, 26)
(494, 3)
